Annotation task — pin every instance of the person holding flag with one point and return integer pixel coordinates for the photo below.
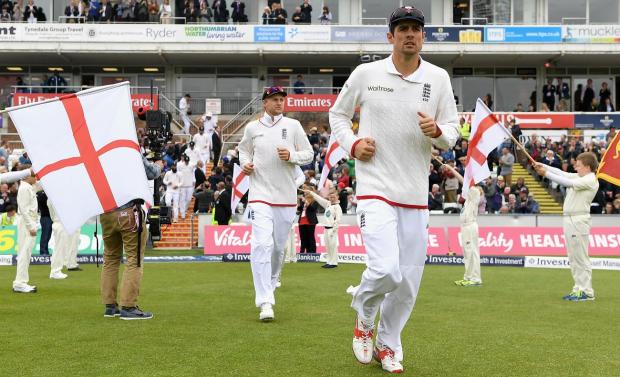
(334, 154)
(268, 152)
(333, 215)
(581, 187)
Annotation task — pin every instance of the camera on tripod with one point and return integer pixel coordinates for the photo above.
(157, 132)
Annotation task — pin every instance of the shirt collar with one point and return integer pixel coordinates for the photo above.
(268, 121)
(416, 76)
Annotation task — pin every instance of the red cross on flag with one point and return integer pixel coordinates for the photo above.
(85, 152)
(334, 154)
(241, 185)
(487, 133)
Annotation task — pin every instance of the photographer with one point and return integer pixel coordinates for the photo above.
(124, 228)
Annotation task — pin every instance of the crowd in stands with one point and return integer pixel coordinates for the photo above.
(556, 96)
(17, 11)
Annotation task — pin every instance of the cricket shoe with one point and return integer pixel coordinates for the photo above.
(352, 290)
(111, 311)
(266, 313)
(134, 313)
(569, 296)
(362, 342)
(581, 296)
(24, 288)
(58, 276)
(459, 282)
(471, 283)
(386, 357)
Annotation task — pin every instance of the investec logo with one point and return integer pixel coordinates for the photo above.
(379, 88)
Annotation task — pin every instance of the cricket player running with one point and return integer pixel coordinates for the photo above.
(268, 152)
(406, 106)
(580, 190)
(333, 215)
(469, 239)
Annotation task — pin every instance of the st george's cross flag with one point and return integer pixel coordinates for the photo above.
(487, 133)
(84, 151)
(334, 154)
(241, 185)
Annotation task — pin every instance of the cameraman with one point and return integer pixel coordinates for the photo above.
(124, 228)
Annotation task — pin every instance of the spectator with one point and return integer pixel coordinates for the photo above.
(505, 162)
(307, 223)
(190, 16)
(465, 129)
(588, 96)
(606, 106)
(515, 129)
(609, 209)
(505, 197)
(5, 16)
(223, 212)
(461, 150)
(204, 198)
(551, 159)
(314, 137)
(105, 12)
(72, 11)
(548, 91)
(141, 11)
(279, 14)
(298, 17)
(165, 11)
(435, 199)
(306, 10)
(514, 189)
(488, 100)
(24, 159)
(267, 16)
(9, 216)
(433, 177)
(525, 203)
(608, 138)
(491, 195)
(577, 101)
(604, 93)
(199, 174)
(326, 16)
(563, 90)
(31, 12)
(153, 11)
(216, 177)
(299, 85)
(450, 184)
(238, 13)
(220, 13)
(46, 223)
(519, 108)
(6, 198)
(343, 197)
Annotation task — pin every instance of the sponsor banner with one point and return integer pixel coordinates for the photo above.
(454, 34)
(509, 261)
(86, 245)
(359, 34)
(137, 100)
(308, 33)
(600, 120)
(216, 33)
(309, 102)
(523, 34)
(591, 34)
(562, 262)
(270, 34)
(230, 240)
(604, 241)
(532, 120)
(6, 260)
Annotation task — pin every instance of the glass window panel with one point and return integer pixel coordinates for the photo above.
(562, 9)
(494, 11)
(513, 90)
(468, 89)
(377, 12)
(460, 10)
(144, 82)
(424, 6)
(201, 84)
(604, 11)
(333, 9)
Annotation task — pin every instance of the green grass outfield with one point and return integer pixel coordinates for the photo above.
(206, 325)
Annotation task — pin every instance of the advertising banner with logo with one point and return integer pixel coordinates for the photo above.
(544, 241)
(523, 34)
(270, 34)
(562, 262)
(309, 102)
(308, 33)
(137, 100)
(532, 120)
(455, 34)
(220, 240)
(87, 244)
(599, 120)
(591, 34)
(359, 34)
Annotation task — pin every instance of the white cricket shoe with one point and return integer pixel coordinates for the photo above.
(266, 313)
(58, 276)
(385, 356)
(362, 342)
(352, 290)
(278, 283)
(24, 288)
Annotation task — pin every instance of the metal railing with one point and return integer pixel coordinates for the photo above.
(474, 21)
(230, 131)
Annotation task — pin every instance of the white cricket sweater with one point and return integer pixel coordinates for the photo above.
(203, 142)
(27, 206)
(333, 212)
(469, 214)
(580, 191)
(172, 181)
(186, 172)
(389, 105)
(273, 180)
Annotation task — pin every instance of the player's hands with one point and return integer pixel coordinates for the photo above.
(365, 149)
(540, 169)
(248, 168)
(284, 154)
(427, 125)
(33, 232)
(32, 173)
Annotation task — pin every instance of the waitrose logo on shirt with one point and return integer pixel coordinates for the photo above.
(379, 88)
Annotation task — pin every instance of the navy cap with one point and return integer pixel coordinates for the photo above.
(406, 13)
(272, 91)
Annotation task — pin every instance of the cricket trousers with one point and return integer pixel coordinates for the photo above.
(73, 248)
(331, 244)
(471, 252)
(25, 244)
(290, 249)
(185, 196)
(172, 200)
(120, 232)
(395, 239)
(270, 229)
(576, 232)
(61, 247)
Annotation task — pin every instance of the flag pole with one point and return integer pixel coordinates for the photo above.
(456, 173)
(517, 142)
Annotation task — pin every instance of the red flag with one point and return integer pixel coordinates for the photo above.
(609, 168)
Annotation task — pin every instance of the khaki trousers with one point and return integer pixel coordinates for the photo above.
(120, 232)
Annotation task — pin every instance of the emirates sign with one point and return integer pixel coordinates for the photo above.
(309, 102)
(137, 100)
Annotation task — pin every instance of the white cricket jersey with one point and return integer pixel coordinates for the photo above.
(580, 191)
(183, 105)
(202, 142)
(210, 125)
(470, 209)
(193, 154)
(172, 181)
(27, 206)
(333, 212)
(186, 172)
(389, 105)
(273, 180)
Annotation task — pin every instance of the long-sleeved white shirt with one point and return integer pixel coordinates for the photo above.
(14, 176)
(193, 154)
(333, 212)
(172, 181)
(186, 172)
(469, 214)
(202, 142)
(273, 180)
(389, 105)
(183, 105)
(27, 206)
(580, 191)
(209, 125)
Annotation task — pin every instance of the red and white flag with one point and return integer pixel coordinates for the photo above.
(241, 185)
(85, 151)
(487, 133)
(334, 154)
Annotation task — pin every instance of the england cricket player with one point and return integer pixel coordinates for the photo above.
(331, 221)
(469, 239)
(268, 152)
(406, 106)
(581, 187)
